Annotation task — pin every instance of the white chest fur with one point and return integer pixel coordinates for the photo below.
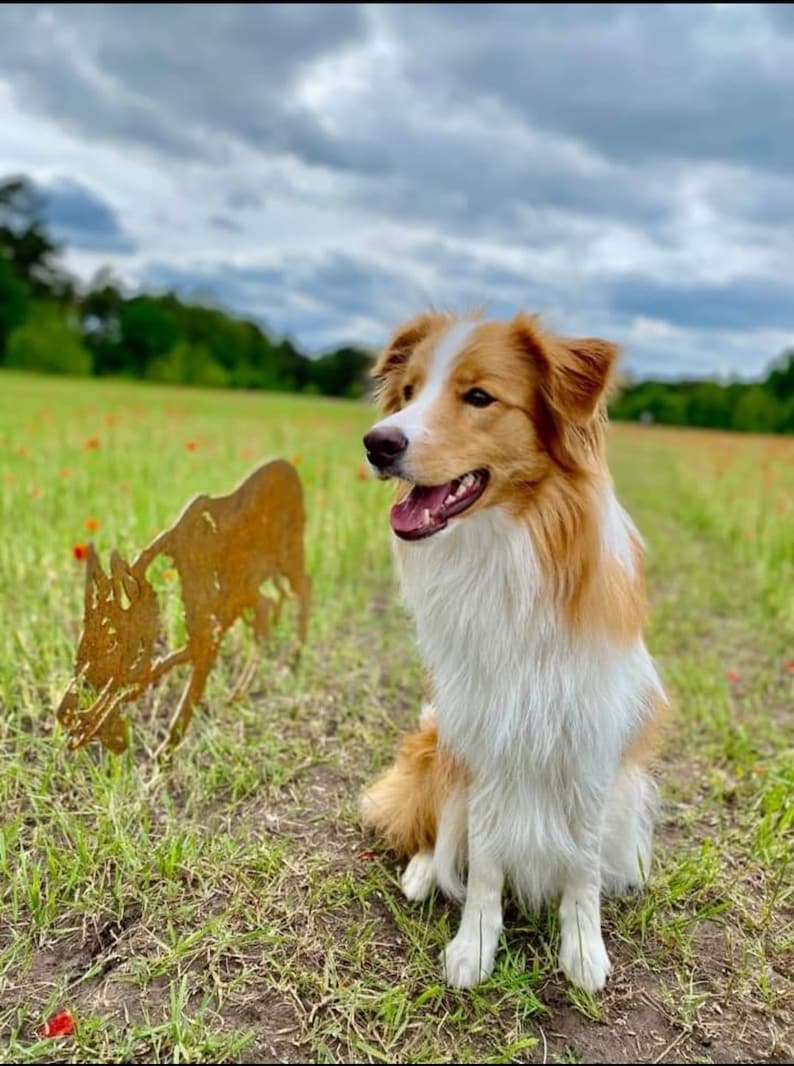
(539, 714)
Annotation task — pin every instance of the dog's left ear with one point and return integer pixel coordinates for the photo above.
(388, 368)
(575, 373)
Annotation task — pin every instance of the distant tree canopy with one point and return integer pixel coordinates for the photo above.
(762, 407)
(49, 323)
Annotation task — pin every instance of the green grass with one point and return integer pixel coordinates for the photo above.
(227, 910)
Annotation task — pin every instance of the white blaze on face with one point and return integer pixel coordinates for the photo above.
(412, 418)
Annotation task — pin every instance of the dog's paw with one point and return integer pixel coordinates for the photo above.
(464, 964)
(584, 961)
(419, 877)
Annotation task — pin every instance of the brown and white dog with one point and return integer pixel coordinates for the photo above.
(525, 578)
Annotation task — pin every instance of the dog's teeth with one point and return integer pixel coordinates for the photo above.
(426, 517)
(451, 497)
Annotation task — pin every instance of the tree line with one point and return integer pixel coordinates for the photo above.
(51, 323)
(757, 407)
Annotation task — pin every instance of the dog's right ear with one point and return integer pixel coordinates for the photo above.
(387, 371)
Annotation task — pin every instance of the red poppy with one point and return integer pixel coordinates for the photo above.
(91, 444)
(60, 1024)
(191, 445)
(80, 552)
(789, 667)
(111, 419)
(733, 676)
(362, 473)
(66, 472)
(92, 524)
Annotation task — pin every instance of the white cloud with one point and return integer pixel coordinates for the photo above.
(328, 168)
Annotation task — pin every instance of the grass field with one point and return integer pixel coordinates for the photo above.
(230, 909)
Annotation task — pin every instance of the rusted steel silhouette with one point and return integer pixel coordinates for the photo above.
(224, 548)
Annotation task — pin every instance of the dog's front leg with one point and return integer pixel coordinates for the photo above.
(583, 956)
(469, 958)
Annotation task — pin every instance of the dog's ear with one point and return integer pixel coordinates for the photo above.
(579, 376)
(573, 378)
(389, 365)
(575, 373)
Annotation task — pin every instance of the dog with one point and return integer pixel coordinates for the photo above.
(524, 576)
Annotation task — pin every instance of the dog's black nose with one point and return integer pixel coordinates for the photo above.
(384, 445)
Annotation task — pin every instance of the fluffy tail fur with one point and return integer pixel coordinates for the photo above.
(405, 805)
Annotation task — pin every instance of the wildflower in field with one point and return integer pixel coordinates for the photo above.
(191, 445)
(782, 508)
(111, 419)
(91, 444)
(246, 453)
(362, 473)
(759, 770)
(733, 675)
(11, 479)
(20, 450)
(80, 552)
(65, 473)
(92, 524)
(169, 574)
(789, 667)
(60, 1024)
(297, 459)
(35, 492)
(125, 488)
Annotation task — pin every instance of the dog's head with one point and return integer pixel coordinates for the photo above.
(477, 412)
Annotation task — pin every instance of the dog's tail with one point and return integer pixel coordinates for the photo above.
(419, 803)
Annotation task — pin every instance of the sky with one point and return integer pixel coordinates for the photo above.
(329, 170)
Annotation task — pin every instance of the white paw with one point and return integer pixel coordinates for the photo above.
(465, 964)
(584, 961)
(419, 876)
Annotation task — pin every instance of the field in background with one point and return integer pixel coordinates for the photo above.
(232, 910)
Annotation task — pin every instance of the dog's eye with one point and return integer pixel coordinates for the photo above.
(408, 392)
(478, 398)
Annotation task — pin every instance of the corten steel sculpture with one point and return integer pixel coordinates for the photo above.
(224, 549)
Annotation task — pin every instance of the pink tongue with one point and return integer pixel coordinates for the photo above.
(408, 515)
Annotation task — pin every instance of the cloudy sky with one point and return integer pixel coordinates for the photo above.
(329, 169)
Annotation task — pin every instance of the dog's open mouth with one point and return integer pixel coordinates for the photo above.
(427, 508)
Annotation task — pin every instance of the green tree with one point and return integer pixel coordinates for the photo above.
(781, 377)
(13, 303)
(100, 317)
(48, 343)
(341, 372)
(25, 243)
(189, 364)
(148, 332)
